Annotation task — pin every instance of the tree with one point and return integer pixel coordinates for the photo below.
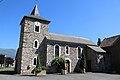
(38, 67)
(9, 61)
(2, 57)
(38, 62)
(99, 42)
(83, 61)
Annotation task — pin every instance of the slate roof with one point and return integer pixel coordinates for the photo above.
(35, 11)
(107, 42)
(35, 15)
(96, 48)
(64, 38)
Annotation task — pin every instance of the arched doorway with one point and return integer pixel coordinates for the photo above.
(68, 65)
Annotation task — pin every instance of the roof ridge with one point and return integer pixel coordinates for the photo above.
(110, 41)
(112, 36)
(70, 36)
(65, 38)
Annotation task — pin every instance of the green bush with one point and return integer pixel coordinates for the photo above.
(38, 66)
(59, 63)
(43, 68)
(37, 69)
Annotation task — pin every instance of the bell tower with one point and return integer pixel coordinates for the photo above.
(33, 30)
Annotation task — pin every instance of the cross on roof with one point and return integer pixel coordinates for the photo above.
(37, 1)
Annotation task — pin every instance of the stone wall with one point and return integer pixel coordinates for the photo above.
(43, 52)
(18, 61)
(19, 51)
(72, 56)
(97, 60)
(27, 38)
(92, 57)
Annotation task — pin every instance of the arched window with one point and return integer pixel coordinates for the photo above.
(79, 52)
(67, 51)
(37, 27)
(56, 50)
(35, 61)
(36, 44)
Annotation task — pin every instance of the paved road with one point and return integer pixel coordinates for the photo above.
(87, 76)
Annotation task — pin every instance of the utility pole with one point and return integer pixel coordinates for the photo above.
(4, 61)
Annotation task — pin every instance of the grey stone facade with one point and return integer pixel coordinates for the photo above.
(26, 51)
(72, 53)
(46, 49)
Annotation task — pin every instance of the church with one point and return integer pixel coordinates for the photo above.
(35, 39)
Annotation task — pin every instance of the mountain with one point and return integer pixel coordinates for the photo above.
(8, 52)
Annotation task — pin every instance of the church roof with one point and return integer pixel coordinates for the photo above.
(35, 15)
(96, 48)
(64, 38)
(35, 11)
(107, 42)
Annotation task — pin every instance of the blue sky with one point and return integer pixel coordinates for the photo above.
(83, 18)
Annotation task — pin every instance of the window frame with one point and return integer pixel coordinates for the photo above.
(68, 50)
(33, 61)
(37, 24)
(81, 49)
(37, 44)
(59, 50)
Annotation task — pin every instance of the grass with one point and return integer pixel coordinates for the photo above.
(7, 71)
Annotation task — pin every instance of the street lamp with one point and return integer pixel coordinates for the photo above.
(4, 62)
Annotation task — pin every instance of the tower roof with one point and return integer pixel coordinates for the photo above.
(35, 11)
(35, 15)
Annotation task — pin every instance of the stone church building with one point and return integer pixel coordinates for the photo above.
(35, 39)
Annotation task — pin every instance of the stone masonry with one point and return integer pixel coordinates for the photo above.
(45, 42)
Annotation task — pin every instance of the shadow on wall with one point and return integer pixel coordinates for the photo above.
(77, 67)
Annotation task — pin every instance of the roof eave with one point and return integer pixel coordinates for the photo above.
(118, 37)
(69, 42)
(98, 51)
(33, 18)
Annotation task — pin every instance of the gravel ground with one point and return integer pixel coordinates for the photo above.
(87, 76)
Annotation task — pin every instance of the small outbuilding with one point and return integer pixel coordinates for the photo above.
(112, 46)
